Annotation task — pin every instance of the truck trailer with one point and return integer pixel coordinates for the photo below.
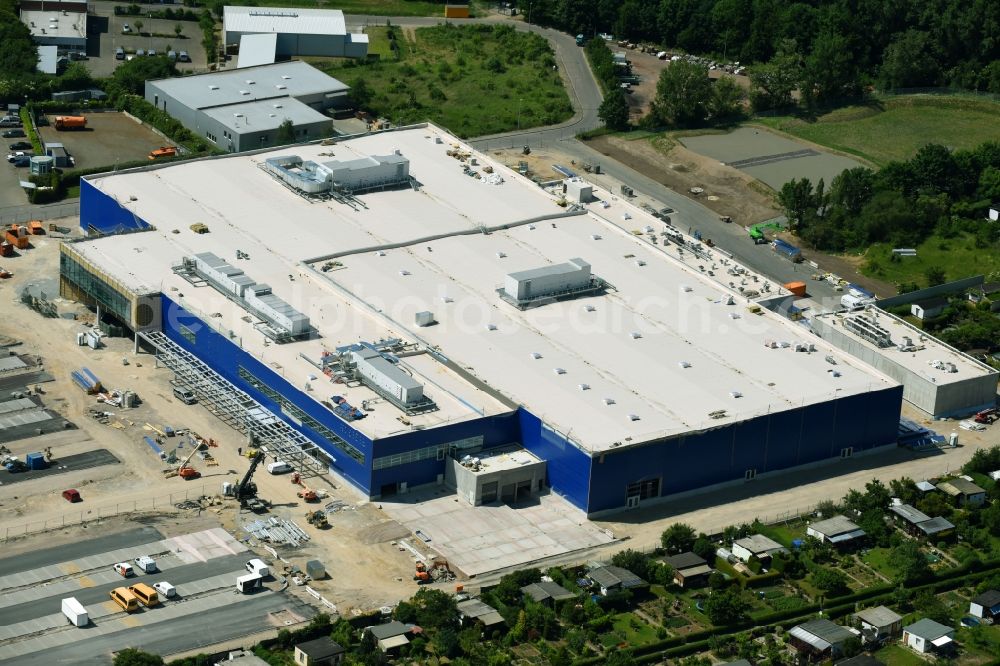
(75, 612)
(70, 122)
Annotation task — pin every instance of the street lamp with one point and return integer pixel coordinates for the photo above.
(519, 100)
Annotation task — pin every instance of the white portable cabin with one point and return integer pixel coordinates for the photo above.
(75, 612)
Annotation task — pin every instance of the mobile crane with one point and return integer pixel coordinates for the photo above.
(246, 490)
(184, 470)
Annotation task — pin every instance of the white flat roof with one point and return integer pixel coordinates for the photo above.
(257, 50)
(920, 360)
(627, 346)
(55, 24)
(284, 20)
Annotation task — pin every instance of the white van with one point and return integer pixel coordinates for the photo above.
(279, 467)
(166, 589)
(145, 563)
(249, 583)
(259, 567)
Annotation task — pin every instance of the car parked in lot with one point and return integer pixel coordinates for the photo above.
(166, 589)
(183, 56)
(72, 495)
(119, 53)
(140, 52)
(151, 52)
(22, 161)
(126, 29)
(16, 154)
(124, 569)
(20, 145)
(13, 133)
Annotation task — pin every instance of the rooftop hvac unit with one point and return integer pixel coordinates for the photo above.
(424, 318)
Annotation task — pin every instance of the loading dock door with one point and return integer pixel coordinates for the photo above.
(508, 493)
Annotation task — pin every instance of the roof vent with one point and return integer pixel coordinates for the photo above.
(491, 327)
(277, 106)
(633, 417)
(213, 87)
(285, 76)
(736, 394)
(684, 364)
(447, 299)
(380, 253)
(589, 308)
(609, 401)
(501, 255)
(250, 82)
(635, 335)
(244, 92)
(583, 387)
(280, 86)
(595, 236)
(404, 272)
(535, 355)
(238, 115)
(559, 371)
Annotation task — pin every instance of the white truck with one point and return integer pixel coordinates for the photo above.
(75, 612)
(248, 583)
(145, 563)
(259, 567)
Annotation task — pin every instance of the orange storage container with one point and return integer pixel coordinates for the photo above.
(797, 288)
(18, 236)
(36, 228)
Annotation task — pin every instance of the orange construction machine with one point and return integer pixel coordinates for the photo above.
(162, 151)
(17, 235)
(70, 122)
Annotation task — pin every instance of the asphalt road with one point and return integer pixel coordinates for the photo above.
(73, 551)
(186, 633)
(66, 464)
(99, 593)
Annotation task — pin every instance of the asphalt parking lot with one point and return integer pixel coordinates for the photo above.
(65, 464)
(203, 567)
(105, 35)
(110, 138)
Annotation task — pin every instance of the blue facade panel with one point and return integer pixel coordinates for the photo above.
(101, 212)
(226, 358)
(765, 444)
(568, 468)
(495, 431)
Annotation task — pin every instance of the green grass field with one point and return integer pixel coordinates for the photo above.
(958, 257)
(894, 128)
(473, 79)
(897, 655)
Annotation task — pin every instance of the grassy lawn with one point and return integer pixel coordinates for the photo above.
(894, 128)
(628, 628)
(958, 257)
(472, 79)
(897, 655)
(784, 534)
(878, 558)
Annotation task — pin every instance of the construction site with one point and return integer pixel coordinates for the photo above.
(475, 375)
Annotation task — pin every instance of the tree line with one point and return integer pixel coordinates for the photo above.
(937, 191)
(835, 48)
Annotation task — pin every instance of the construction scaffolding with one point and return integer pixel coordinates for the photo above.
(237, 409)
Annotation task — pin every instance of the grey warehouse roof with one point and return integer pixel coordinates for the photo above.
(758, 543)
(879, 616)
(909, 513)
(265, 114)
(837, 526)
(610, 576)
(546, 589)
(928, 629)
(821, 634)
(283, 79)
(284, 20)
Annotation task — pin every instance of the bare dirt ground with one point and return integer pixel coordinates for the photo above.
(727, 190)
(367, 569)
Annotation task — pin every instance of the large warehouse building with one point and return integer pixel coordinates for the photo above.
(243, 109)
(298, 31)
(411, 312)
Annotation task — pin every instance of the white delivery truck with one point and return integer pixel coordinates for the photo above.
(259, 567)
(145, 563)
(249, 583)
(75, 612)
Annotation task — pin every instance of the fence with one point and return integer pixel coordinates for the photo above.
(20, 214)
(85, 514)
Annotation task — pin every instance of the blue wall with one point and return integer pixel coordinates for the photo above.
(567, 467)
(225, 357)
(102, 212)
(767, 443)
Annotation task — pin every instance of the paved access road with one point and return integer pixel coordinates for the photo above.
(86, 460)
(76, 550)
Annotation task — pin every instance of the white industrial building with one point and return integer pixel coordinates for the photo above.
(298, 31)
(242, 109)
(936, 378)
(60, 23)
(625, 367)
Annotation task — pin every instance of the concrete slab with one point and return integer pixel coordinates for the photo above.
(477, 540)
